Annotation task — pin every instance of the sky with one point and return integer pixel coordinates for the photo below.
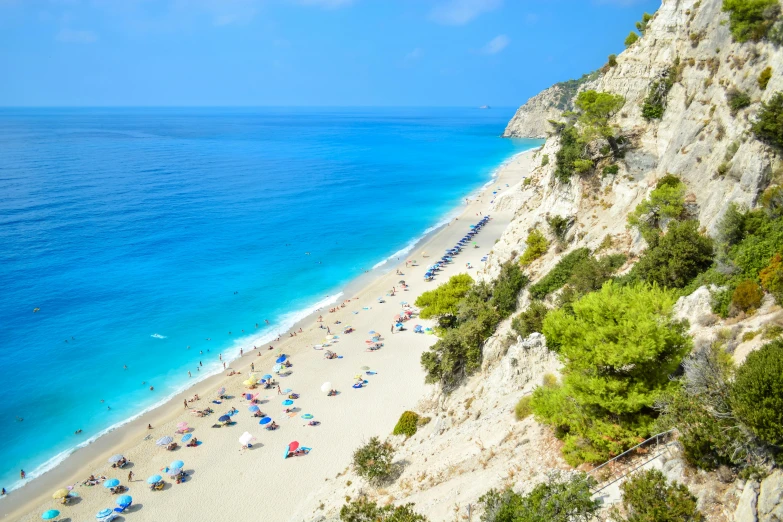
(302, 52)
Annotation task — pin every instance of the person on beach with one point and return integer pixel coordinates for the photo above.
(130, 476)
(224, 365)
(279, 392)
(185, 403)
(252, 367)
(3, 492)
(241, 352)
(189, 375)
(149, 426)
(22, 474)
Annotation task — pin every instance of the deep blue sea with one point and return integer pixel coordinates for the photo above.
(141, 233)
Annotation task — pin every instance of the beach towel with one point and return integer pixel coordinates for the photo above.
(216, 402)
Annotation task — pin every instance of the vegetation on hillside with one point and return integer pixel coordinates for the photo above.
(536, 246)
(467, 322)
(649, 497)
(751, 20)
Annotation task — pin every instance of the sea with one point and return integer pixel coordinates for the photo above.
(140, 244)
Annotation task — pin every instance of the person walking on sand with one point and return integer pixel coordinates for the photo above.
(224, 365)
(185, 403)
(279, 391)
(130, 476)
(252, 367)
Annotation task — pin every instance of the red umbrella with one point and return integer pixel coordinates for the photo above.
(293, 446)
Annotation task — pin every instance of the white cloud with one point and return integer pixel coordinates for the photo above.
(460, 12)
(496, 45)
(72, 36)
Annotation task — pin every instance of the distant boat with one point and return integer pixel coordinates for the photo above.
(485, 107)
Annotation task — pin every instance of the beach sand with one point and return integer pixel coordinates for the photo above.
(229, 483)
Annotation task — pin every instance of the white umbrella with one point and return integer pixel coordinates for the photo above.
(164, 441)
(326, 387)
(246, 438)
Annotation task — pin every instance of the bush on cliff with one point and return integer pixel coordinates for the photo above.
(536, 246)
(407, 425)
(561, 498)
(444, 300)
(363, 510)
(648, 497)
(768, 126)
(757, 392)
(530, 320)
(618, 347)
(665, 202)
(373, 461)
(751, 19)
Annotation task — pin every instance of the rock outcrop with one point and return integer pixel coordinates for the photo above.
(532, 119)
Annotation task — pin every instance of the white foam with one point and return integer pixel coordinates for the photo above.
(246, 343)
(158, 336)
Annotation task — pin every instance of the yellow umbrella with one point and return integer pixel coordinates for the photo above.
(61, 493)
(249, 382)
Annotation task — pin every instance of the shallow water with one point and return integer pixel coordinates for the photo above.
(145, 236)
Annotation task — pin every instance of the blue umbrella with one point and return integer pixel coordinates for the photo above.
(124, 500)
(52, 513)
(253, 408)
(177, 464)
(154, 479)
(281, 359)
(111, 483)
(224, 418)
(267, 377)
(288, 402)
(103, 513)
(265, 420)
(248, 396)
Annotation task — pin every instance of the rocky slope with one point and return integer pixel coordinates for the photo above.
(473, 443)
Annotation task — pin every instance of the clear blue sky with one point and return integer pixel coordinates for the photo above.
(302, 52)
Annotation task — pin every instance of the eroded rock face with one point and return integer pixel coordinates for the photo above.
(770, 499)
(532, 119)
(746, 507)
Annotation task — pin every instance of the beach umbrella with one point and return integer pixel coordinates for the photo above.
(307, 416)
(267, 377)
(164, 441)
(265, 420)
(249, 382)
(248, 396)
(245, 438)
(281, 359)
(177, 464)
(371, 332)
(293, 446)
(103, 513)
(277, 368)
(111, 483)
(124, 500)
(221, 391)
(49, 515)
(364, 368)
(154, 479)
(253, 409)
(61, 493)
(224, 418)
(115, 458)
(288, 402)
(173, 472)
(326, 387)
(182, 425)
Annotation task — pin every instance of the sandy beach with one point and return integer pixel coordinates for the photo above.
(227, 482)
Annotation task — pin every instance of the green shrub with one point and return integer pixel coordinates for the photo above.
(675, 258)
(595, 109)
(373, 461)
(747, 296)
(567, 154)
(724, 168)
(655, 102)
(612, 61)
(591, 274)
(641, 25)
(666, 201)
(772, 201)
(536, 246)
(583, 166)
(611, 170)
(768, 127)
(560, 499)
(751, 19)
(764, 78)
(618, 347)
(559, 226)
(545, 160)
(530, 320)
(444, 299)
(631, 39)
(560, 274)
(407, 425)
(772, 332)
(523, 409)
(648, 497)
(506, 288)
(757, 392)
(772, 278)
(363, 510)
(737, 100)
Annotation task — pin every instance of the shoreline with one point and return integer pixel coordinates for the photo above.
(91, 457)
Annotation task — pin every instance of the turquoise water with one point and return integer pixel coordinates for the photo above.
(141, 233)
